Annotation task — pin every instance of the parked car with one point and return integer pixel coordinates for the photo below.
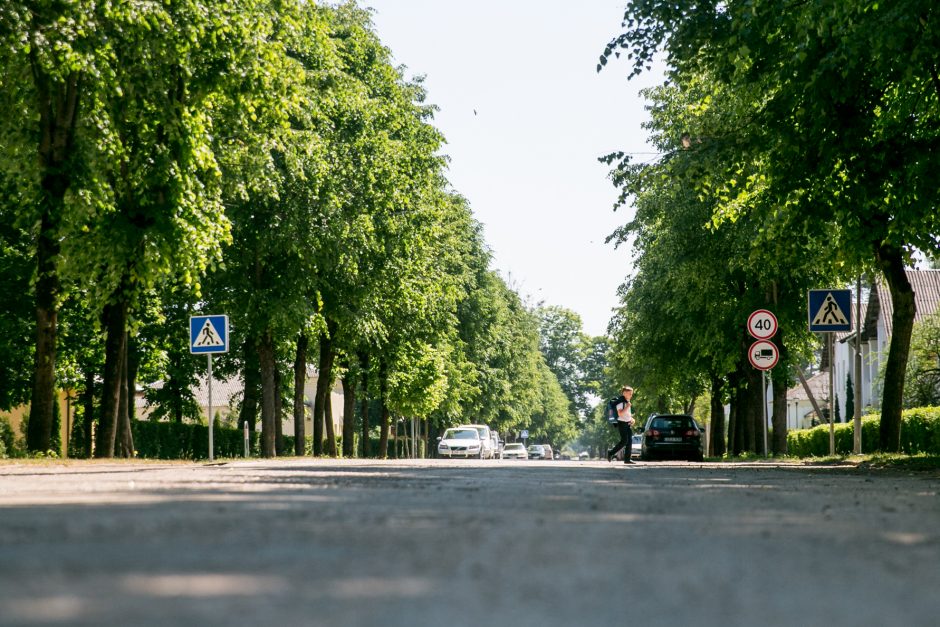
(536, 451)
(514, 450)
(636, 445)
(460, 442)
(584, 456)
(549, 453)
(489, 450)
(675, 436)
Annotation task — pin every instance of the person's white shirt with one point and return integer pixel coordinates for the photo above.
(625, 412)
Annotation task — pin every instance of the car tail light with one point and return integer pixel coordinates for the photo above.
(652, 433)
(692, 433)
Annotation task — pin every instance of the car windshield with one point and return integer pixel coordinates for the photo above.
(514, 447)
(461, 434)
(536, 447)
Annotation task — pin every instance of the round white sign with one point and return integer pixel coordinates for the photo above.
(762, 324)
(763, 355)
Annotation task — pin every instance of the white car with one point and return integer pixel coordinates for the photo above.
(489, 451)
(460, 442)
(514, 450)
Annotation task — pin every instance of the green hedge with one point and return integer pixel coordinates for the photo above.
(173, 440)
(920, 433)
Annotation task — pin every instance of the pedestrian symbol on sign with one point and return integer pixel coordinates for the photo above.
(830, 313)
(208, 336)
(830, 310)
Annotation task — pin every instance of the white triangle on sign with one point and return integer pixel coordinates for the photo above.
(209, 336)
(829, 314)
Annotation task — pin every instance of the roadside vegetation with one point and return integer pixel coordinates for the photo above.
(266, 161)
(796, 149)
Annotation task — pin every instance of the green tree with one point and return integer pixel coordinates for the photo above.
(846, 131)
(564, 346)
(49, 62)
(923, 369)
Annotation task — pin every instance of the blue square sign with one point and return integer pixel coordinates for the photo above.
(208, 334)
(830, 310)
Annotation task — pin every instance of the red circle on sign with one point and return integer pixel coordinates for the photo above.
(762, 315)
(763, 355)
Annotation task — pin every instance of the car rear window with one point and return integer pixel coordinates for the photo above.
(673, 423)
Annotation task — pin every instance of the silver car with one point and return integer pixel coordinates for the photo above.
(536, 451)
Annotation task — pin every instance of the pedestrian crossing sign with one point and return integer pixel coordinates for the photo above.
(208, 334)
(830, 310)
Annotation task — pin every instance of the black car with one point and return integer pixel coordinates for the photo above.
(673, 436)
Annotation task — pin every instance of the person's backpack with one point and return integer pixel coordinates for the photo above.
(612, 409)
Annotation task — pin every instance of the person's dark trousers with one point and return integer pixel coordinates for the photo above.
(626, 435)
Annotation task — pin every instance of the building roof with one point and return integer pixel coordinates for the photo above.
(224, 392)
(926, 286)
(818, 383)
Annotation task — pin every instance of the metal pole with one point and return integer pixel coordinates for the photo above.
(246, 437)
(857, 420)
(763, 378)
(832, 411)
(211, 447)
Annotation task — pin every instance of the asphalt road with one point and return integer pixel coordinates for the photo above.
(348, 543)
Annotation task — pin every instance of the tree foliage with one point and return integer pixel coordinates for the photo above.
(830, 113)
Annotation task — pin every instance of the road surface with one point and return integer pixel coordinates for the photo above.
(435, 542)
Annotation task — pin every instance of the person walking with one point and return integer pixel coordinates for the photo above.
(624, 426)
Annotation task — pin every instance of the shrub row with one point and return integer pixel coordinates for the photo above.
(920, 433)
(173, 440)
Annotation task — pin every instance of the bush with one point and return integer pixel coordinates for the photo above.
(7, 439)
(920, 433)
(173, 440)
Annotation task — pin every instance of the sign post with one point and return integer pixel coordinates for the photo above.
(830, 311)
(209, 335)
(763, 354)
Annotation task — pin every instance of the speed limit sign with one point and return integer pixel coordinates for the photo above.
(762, 324)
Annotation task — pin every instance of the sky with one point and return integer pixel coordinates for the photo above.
(526, 117)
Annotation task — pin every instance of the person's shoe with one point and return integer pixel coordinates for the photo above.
(628, 461)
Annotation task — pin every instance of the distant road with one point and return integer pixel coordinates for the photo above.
(466, 543)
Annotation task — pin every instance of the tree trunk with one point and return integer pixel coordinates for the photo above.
(349, 415)
(266, 361)
(88, 403)
(133, 366)
(115, 321)
(735, 417)
(717, 423)
(39, 430)
(366, 445)
(891, 262)
(384, 421)
(324, 379)
(251, 374)
(300, 378)
(124, 436)
(330, 425)
(57, 104)
(278, 414)
(752, 414)
(781, 382)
